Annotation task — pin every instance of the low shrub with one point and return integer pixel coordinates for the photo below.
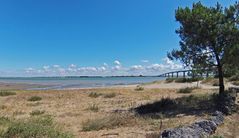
(181, 105)
(34, 127)
(183, 80)
(109, 95)
(37, 112)
(107, 122)
(139, 88)
(94, 95)
(164, 104)
(236, 83)
(169, 80)
(35, 98)
(6, 93)
(186, 90)
(234, 78)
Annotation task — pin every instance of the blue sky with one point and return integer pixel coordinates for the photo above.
(49, 37)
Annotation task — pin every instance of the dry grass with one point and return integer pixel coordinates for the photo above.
(68, 109)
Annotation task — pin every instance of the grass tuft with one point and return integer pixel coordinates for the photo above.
(37, 112)
(35, 98)
(107, 122)
(139, 88)
(42, 127)
(6, 93)
(110, 95)
(93, 108)
(94, 95)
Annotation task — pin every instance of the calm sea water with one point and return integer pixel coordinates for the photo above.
(80, 82)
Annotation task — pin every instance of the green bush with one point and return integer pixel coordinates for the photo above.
(107, 122)
(34, 128)
(35, 98)
(183, 80)
(186, 90)
(234, 78)
(6, 93)
(94, 95)
(169, 80)
(109, 95)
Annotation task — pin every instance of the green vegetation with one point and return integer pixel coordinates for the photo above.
(109, 95)
(6, 93)
(236, 83)
(186, 90)
(182, 105)
(217, 137)
(183, 80)
(35, 98)
(93, 108)
(234, 78)
(94, 94)
(139, 88)
(32, 128)
(169, 80)
(37, 112)
(107, 122)
(209, 38)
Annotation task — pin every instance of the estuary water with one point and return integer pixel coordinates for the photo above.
(78, 82)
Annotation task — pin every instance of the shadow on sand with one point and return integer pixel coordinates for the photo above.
(187, 105)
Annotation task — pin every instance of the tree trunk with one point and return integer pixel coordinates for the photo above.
(221, 82)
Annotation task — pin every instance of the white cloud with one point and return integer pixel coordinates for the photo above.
(117, 69)
(56, 66)
(87, 69)
(101, 69)
(117, 62)
(72, 66)
(29, 70)
(46, 68)
(136, 67)
(105, 64)
(155, 67)
(145, 61)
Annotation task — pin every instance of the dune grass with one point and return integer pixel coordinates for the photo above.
(41, 127)
(34, 98)
(93, 107)
(37, 112)
(94, 94)
(108, 122)
(110, 95)
(6, 93)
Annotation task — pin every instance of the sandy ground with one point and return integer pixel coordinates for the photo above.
(70, 109)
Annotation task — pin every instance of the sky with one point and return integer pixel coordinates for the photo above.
(89, 37)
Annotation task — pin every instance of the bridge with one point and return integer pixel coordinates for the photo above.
(186, 73)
